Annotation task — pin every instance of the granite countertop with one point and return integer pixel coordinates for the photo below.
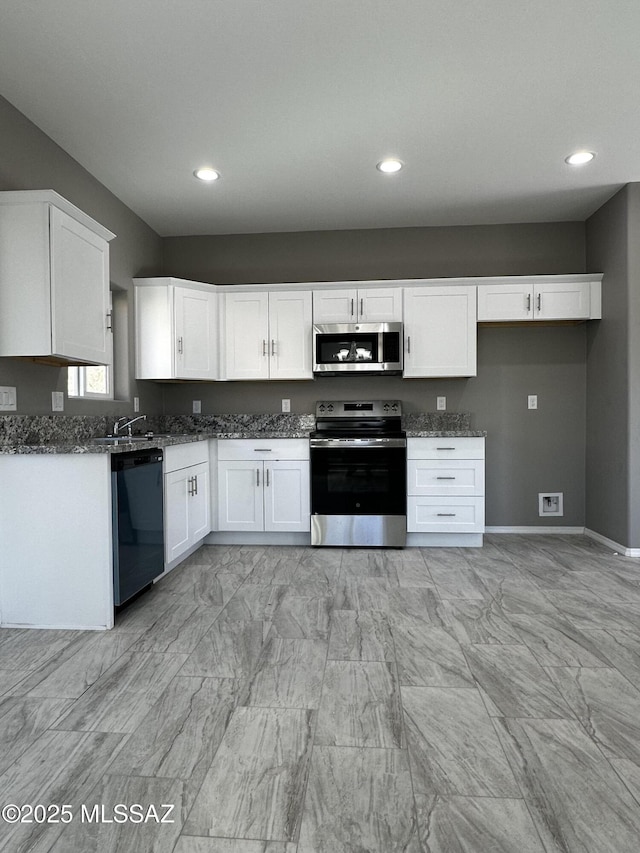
(47, 434)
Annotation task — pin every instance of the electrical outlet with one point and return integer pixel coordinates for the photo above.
(7, 398)
(532, 401)
(57, 401)
(286, 405)
(136, 404)
(441, 404)
(197, 407)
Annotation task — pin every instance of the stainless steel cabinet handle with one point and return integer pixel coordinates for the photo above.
(361, 307)
(195, 485)
(191, 487)
(257, 476)
(352, 307)
(273, 347)
(264, 347)
(267, 473)
(446, 515)
(528, 303)
(180, 345)
(408, 343)
(109, 321)
(539, 301)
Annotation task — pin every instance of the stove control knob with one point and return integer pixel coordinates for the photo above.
(330, 407)
(395, 407)
(386, 407)
(321, 407)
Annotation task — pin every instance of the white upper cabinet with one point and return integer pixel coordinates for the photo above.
(176, 325)
(54, 280)
(362, 305)
(518, 301)
(268, 335)
(440, 331)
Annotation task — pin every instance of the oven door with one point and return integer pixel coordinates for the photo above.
(358, 495)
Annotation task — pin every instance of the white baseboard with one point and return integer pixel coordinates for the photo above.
(609, 543)
(574, 531)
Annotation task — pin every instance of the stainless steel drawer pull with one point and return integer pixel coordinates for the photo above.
(445, 448)
(446, 515)
(445, 478)
(262, 449)
(267, 472)
(361, 307)
(352, 307)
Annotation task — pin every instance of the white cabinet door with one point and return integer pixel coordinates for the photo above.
(240, 495)
(364, 305)
(562, 301)
(198, 483)
(440, 331)
(196, 344)
(445, 515)
(290, 340)
(518, 301)
(187, 514)
(286, 496)
(246, 324)
(500, 302)
(380, 305)
(176, 514)
(79, 291)
(335, 306)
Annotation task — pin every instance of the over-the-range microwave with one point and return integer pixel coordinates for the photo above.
(360, 348)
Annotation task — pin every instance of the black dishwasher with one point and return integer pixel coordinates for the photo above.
(138, 521)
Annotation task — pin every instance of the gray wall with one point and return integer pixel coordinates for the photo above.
(31, 160)
(613, 372)
(527, 451)
(556, 247)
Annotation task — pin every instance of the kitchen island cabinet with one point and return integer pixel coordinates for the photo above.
(54, 280)
(56, 561)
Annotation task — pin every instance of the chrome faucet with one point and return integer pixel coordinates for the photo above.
(118, 426)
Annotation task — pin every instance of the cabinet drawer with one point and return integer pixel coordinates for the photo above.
(178, 456)
(445, 448)
(267, 448)
(445, 477)
(445, 515)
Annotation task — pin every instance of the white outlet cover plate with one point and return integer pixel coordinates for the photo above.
(57, 401)
(532, 401)
(197, 407)
(441, 404)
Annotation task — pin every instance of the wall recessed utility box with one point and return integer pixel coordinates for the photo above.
(550, 503)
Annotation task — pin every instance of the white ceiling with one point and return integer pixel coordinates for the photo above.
(295, 101)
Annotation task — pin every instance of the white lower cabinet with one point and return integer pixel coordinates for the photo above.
(263, 485)
(186, 498)
(445, 485)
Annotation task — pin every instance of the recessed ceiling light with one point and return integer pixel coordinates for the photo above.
(207, 174)
(579, 158)
(389, 166)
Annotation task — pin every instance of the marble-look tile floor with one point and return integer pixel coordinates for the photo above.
(298, 700)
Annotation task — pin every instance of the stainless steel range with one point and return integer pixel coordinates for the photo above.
(359, 474)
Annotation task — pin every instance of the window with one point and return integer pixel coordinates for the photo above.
(94, 382)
